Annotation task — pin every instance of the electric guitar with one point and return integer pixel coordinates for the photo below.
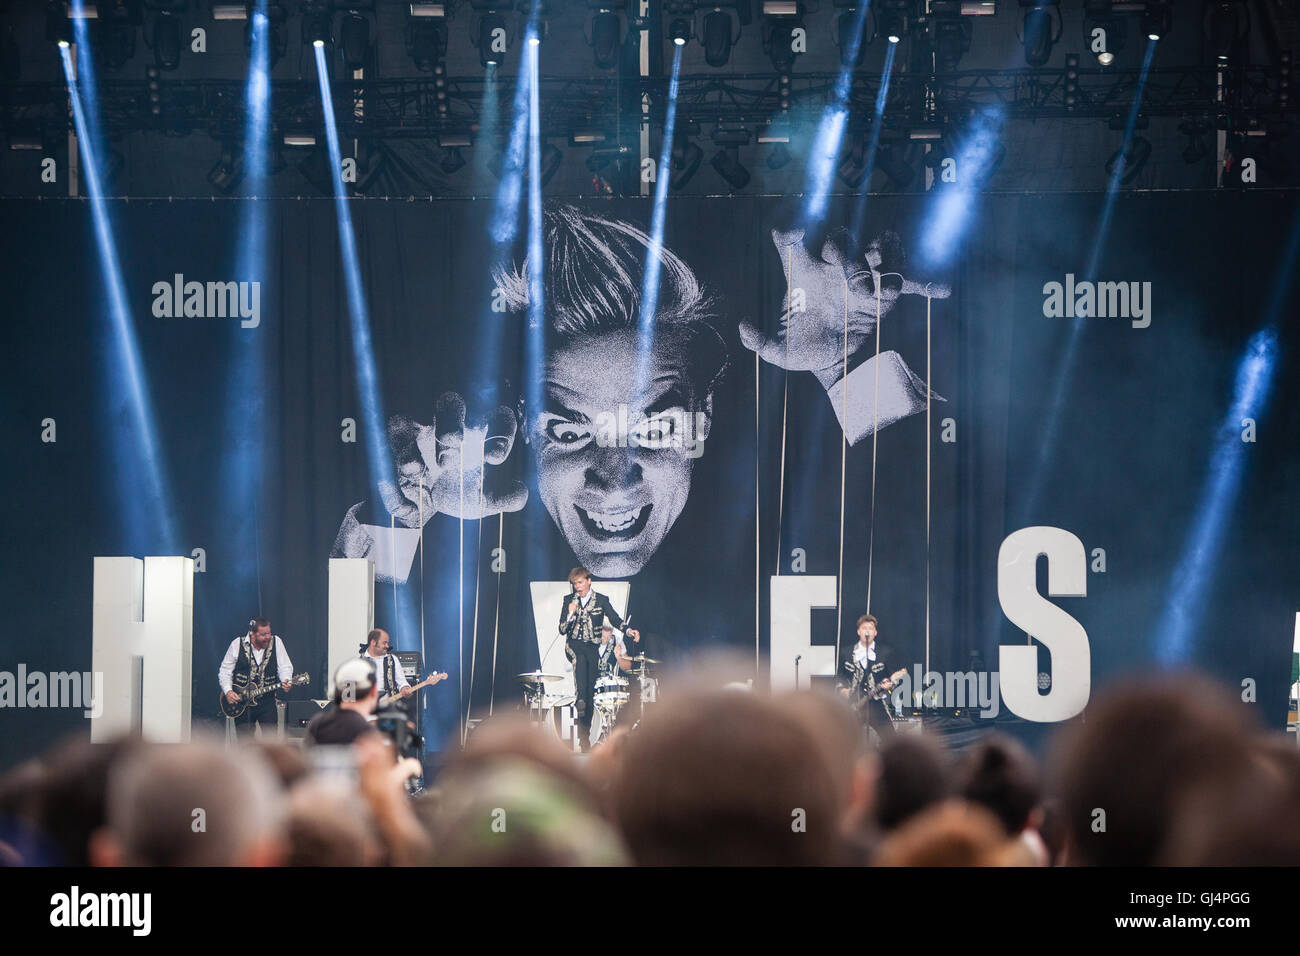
(250, 695)
(871, 691)
(427, 682)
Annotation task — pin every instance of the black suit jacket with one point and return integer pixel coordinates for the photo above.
(600, 609)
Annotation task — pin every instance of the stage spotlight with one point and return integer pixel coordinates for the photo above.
(115, 38)
(228, 171)
(316, 25)
(1041, 30)
(57, 28)
(779, 157)
(426, 42)
(852, 47)
(605, 39)
(1156, 20)
(717, 38)
(1227, 23)
(278, 36)
(1127, 163)
(952, 36)
(891, 161)
(453, 160)
(493, 40)
(354, 38)
(726, 163)
(1104, 33)
(680, 31)
(550, 162)
(893, 24)
(686, 159)
(778, 43)
(166, 39)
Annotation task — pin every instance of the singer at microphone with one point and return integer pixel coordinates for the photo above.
(584, 613)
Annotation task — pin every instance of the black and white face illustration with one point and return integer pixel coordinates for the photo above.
(615, 455)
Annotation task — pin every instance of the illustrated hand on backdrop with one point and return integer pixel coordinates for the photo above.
(824, 292)
(439, 466)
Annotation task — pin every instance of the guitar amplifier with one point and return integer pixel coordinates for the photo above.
(411, 663)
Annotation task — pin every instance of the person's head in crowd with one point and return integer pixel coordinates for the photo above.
(913, 776)
(720, 777)
(846, 748)
(515, 737)
(20, 792)
(951, 833)
(1051, 830)
(506, 810)
(1148, 749)
(192, 804)
(999, 774)
(1260, 828)
(615, 496)
(329, 824)
(285, 759)
(356, 686)
(73, 801)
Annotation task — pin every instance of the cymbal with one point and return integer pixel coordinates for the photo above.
(537, 677)
(642, 659)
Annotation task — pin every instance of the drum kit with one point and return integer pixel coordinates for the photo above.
(612, 693)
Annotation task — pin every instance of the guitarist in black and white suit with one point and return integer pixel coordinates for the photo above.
(254, 660)
(865, 671)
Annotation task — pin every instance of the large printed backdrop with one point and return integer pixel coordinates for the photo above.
(250, 430)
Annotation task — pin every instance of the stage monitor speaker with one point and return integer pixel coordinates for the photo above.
(297, 714)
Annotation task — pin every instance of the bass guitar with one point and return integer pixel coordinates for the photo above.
(427, 682)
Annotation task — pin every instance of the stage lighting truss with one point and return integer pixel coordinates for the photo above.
(428, 106)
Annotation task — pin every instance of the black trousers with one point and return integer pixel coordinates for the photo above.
(263, 712)
(586, 670)
(877, 715)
